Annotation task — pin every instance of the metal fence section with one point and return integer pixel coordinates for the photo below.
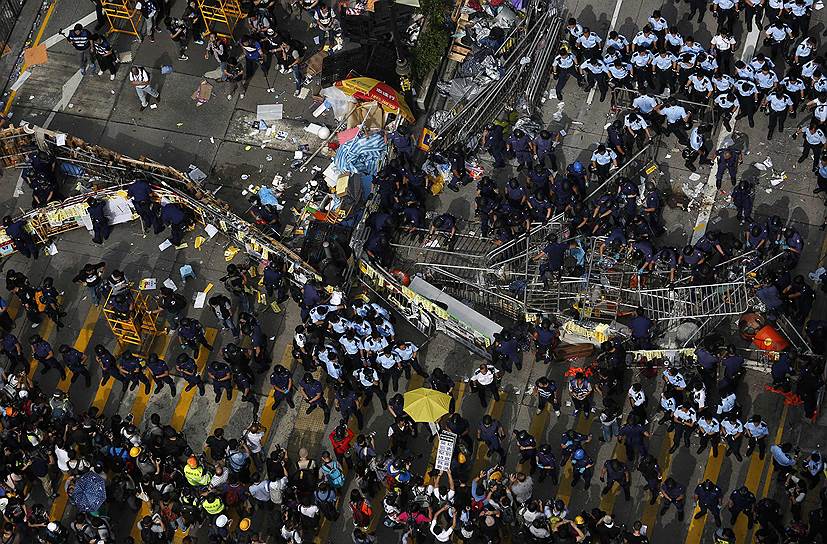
(9, 10)
(528, 52)
(107, 174)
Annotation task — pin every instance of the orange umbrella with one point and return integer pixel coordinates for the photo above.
(366, 88)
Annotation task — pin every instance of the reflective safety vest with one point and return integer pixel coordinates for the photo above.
(196, 476)
(213, 507)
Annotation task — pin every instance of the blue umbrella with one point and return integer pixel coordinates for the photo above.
(89, 493)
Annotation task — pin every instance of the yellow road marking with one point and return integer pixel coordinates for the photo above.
(711, 472)
(82, 341)
(650, 511)
(45, 331)
(607, 501)
(185, 397)
(36, 42)
(584, 423)
(778, 434)
(142, 398)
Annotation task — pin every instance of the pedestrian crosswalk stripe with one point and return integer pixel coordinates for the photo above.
(185, 397)
(142, 397)
(82, 341)
(45, 331)
(711, 472)
(583, 426)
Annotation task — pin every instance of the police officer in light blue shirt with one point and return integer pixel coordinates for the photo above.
(645, 39)
(564, 67)
(778, 33)
(725, 11)
(778, 105)
(766, 80)
(813, 140)
(618, 42)
(673, 41)
(747, 93)
(676, 120)
(596, 74)
(602, 161)
(664, 66)
(620, 74)
(645, 104)
(589, 44)
(699, 87)
(641, 68)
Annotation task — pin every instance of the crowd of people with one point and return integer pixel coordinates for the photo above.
(263, 44)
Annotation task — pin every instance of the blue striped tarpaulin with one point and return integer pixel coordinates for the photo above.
(361, 155)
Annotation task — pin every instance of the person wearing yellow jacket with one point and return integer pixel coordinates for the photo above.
(195, 474)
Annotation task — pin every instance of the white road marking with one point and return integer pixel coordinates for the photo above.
(612, 24)
(52, 40)
(69, 89)
(710, 189)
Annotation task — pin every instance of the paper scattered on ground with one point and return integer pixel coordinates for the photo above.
(52, 249)
(694, 176)
(200, 299)
(269, 112)
(211, 230)
(170, 284)
(148, 284)
(60, 140)
(166, 244)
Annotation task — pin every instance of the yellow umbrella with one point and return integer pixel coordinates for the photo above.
(426, 405)
(367, 88)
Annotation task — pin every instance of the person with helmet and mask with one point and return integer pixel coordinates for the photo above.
(708, 499)
(582, 468)
(547, 464)
(188, 368)
(491, 432)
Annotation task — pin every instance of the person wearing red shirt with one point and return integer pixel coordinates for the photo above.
(340, 439)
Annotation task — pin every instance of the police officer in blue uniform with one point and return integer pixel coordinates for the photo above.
(708, 498)
(130, 367)
(492, 138)
(222, 379)
(160, 373)
(742, 199)
(174, 217)
(282, 382)
(519, 146)
(42, 353)
(313, 393)
(21, 239)
(191, 335)
(728, 161)
(347, 403)
(100, 223)
(188, 369)
(75, 361)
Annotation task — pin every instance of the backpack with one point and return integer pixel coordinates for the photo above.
(334, 474)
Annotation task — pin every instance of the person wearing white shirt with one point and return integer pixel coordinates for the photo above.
(668, 405)
(726, 105)
(795, 89)
(637, 401)
(645, 104)
(804, 50)
(813, 141)
(618, 42)
(573, 31)
(659, 25)
(757, 431)
(699, 87)
(664, 66)
(753, 9)
(697, 149)
(707, 63)
(645, 39)
(723, 44)
(777, 35)
(596, 74)
(725, 11)
(684, 418)
(483, 380)
(641, 60)
(733, 431)
(673, 377)
(722, 82)
(699, 395)
(589, 44)
(727, 403)
(744, 71)
(603, 159)
(673, 41)
(799, 13)
(778, 105)
(709, 432)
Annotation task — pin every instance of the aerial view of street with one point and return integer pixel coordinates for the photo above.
(416, 271)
